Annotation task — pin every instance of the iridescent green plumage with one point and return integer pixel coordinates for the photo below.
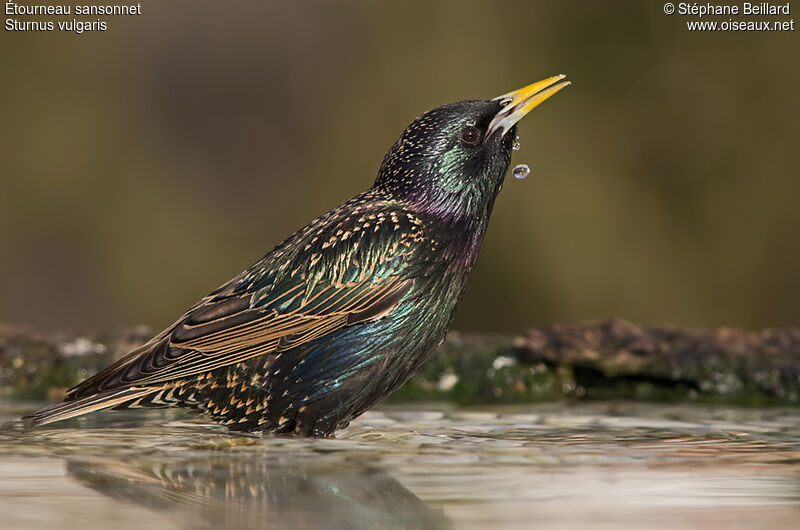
(344, 311)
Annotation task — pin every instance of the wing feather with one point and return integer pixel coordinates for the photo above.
(274, 307)
(237, 337)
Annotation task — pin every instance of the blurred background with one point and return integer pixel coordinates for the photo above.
(145, 165)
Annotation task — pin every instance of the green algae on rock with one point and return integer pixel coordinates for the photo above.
(585, 361)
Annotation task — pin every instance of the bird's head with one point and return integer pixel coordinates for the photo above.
(451, 161)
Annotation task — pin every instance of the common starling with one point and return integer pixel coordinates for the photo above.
(344, 311)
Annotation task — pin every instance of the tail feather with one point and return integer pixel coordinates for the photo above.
(77, 407)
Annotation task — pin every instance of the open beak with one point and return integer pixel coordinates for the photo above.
(518, 103)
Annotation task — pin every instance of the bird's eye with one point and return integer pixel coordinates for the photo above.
(471, 135)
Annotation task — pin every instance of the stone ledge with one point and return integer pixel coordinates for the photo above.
(591, 360)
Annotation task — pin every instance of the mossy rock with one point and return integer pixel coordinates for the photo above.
(585, 361)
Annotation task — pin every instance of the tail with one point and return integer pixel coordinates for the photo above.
(77, 407)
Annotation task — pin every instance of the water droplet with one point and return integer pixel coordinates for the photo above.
(516, 145)
(521, 171)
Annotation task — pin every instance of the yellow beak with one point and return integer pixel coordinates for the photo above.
(517, 103)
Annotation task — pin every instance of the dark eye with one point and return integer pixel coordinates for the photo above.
(471, 135)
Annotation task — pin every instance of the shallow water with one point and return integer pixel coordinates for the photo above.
(549, 466)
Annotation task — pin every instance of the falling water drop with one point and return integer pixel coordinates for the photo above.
(521, 171)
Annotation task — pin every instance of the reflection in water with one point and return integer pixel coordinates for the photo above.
(623, 464)
(218, 492)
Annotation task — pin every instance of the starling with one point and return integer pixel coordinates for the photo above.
(347, 309)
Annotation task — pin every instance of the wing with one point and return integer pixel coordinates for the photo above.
(333, 274)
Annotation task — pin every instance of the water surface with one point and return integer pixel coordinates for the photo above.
(605, 465)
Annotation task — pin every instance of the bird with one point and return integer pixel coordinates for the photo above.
(344, 311)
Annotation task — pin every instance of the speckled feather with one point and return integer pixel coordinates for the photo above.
(341, 313)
